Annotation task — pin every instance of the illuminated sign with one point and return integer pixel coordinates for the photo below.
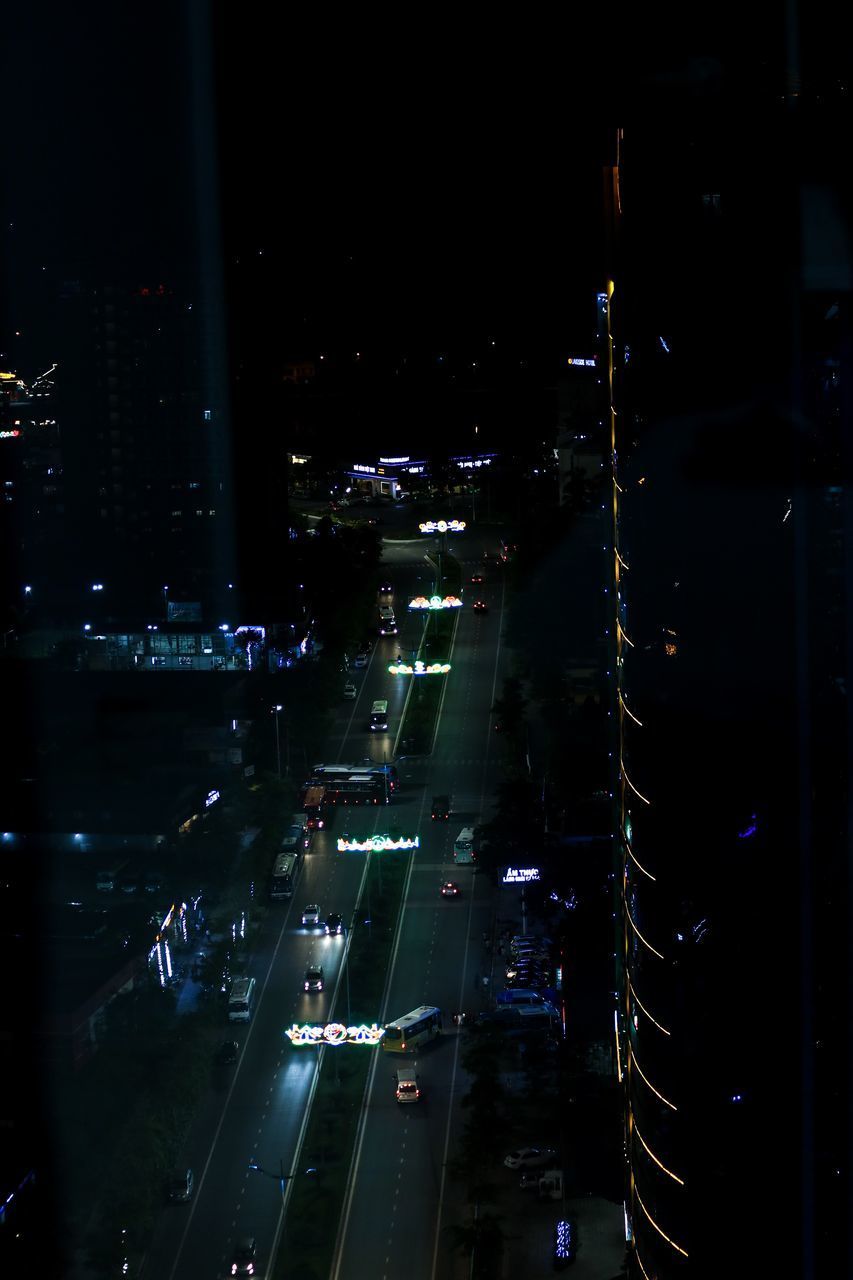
(419, 669)
(395, 461)
(520, 875)
(334, 1034)
(377, 844)
(442, 526)
(585, 361)
(485, 460)
(299, 459)
(416, 470)
(212, 797)
(9, 435)
(370, 471)
(435, 602)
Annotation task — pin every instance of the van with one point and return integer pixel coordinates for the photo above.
(241, 1000)
(463, 846)
(407, 1085)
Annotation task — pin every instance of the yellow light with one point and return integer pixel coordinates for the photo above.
(644, 941)
(662, 1234)
(668, 1172)
(633, 858)
(630, 783)
(624, 706)
(623, 635)
(618, 1053)
(645, 1010)
(646, 1079)
(640, 1263)
(618, 557)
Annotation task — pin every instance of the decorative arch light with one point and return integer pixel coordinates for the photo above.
(442, 526)
(334, 1034)
(378, 844)
(435, 602)
(419, 668)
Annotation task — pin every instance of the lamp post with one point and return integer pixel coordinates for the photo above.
(281, 1176)
(275, 710)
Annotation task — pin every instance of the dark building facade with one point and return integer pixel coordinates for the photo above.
(728, 351)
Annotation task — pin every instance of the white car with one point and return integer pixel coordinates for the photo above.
(360, 659)
(530, 1158)
(311, 914)
(349, 691)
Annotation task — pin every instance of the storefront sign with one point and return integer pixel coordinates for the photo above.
(520, 875)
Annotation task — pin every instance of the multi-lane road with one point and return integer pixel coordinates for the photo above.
(398, 1203)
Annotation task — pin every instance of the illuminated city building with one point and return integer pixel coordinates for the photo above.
(729, 685)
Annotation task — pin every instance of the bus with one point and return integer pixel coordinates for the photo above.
(284, 873)
(379, 715)
(241, 1000)
(355, 788)
(412, 1030)
(387, 772)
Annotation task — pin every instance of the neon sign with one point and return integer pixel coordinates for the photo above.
(377, 844)
(586, 361)
(435, 602)
(419, 669)
(358, 466)
(441, 526)
(334, 1034)
(393, 461)
(520, 875)
(212, 797)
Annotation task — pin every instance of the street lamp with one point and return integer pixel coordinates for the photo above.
(281, 1176)
(275, 710)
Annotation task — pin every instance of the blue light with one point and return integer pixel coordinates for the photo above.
(749, 831)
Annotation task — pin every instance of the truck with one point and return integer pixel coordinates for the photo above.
(312, 803)
(407, 1085)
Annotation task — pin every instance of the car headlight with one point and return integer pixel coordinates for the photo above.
(233, 1268)
(306, 986)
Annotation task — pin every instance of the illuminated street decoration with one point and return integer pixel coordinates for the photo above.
(520, 875)
(334, 1034)
(419, 669)
(441, 526)
(435, 602)
(377, 844)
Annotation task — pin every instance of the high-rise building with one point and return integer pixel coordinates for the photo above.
(728, 352)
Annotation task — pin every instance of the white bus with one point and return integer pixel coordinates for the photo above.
(413, 1029)
(379, 715)
(283, 878)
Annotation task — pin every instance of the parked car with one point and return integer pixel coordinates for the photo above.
(129, 882)
(334, 923)
(450, 890)
(313, 980)
(530, 1158)
(441, 808)
(350, 691)
(180, 1186)
(311, 914)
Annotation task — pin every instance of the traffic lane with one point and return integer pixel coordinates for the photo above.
(396, 1197)
(263, 1111)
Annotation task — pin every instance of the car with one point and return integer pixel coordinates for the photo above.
(152, 882)
(441, 808)
(311, 914)
(243, 1257)
(227, 1053)
(386, 587)
(530, 1158)
(350, 691)
(334, 923)
(128, 883)
(313, 980)
(180, 1187)
(360, 659)
(450, 890)
(477, 575)
(480, 606)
